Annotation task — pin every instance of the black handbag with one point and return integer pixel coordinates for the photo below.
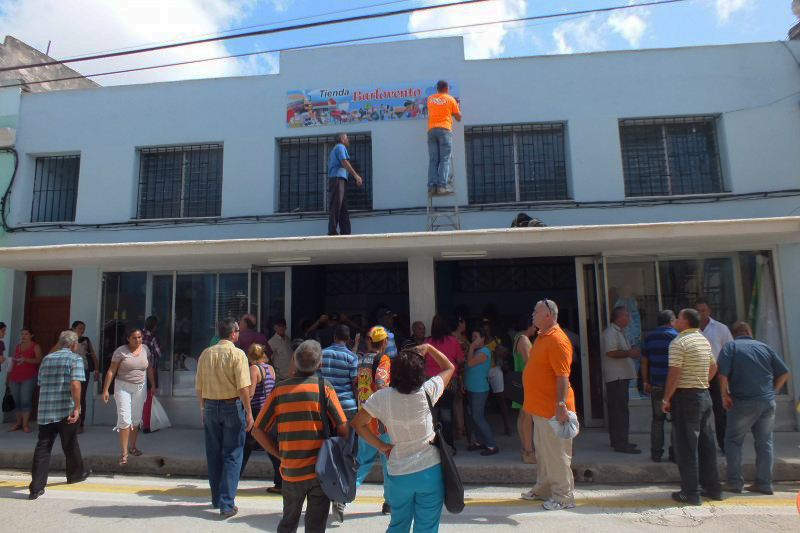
(513, 386)
(8, 401)
(336, 462)
(453, 487)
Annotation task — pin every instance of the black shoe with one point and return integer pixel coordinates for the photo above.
(34, 495)
(228, 514)
(727, 487)
(491, 451)
(755, 488)
(630, 449)
(82, 477)
(681, 497)
(712, 494)
(655, 458)
(386, 509)
(476, 446)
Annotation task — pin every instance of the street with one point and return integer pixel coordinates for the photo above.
(103, 502)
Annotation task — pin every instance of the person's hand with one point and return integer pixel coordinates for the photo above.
(666, 407)
(323, 319)
(153, 392)
(385, 448)
(356, 340)
(105, 396)
(248, 422)
(202, 415)
(2, 360)
(727, 401)
(635, 353)
(476, 343)
(73, 416)
(647, 388)
(424, 348)
(561, 414)
(359, 181)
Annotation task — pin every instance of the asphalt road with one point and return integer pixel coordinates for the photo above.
(122, 503)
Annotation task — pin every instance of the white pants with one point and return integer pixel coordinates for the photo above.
(129, 398)
(554, 479)
(496, 379)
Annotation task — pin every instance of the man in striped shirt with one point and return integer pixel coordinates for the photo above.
(691, 367)
(655, 364)
(294, 407)
(340, 368)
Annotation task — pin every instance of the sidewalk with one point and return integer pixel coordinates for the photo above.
(181, 452)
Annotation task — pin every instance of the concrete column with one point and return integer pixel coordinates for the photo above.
(788, 265)
(84, 305)
(12, 312)
(422, 289)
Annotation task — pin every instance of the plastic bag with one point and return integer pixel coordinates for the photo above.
(567, 430)
(158, 417)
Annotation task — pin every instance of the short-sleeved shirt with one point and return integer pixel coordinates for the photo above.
(613, 339)
(655, 347)
(337, 155)
(249, 337)
(151, 341)
(441, 107)
(56, 372)
(281, 356)
(691, 352)
(340, 368)
(451, 349)
(408, 420)
(294, 405)
(718, 335)
(132, 365)
(391, 345)
(476, 378)
(374, 373)
(222, 370)
(20, 370)
(750, 366)
(551, 357)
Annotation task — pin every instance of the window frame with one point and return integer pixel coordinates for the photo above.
(36, 207)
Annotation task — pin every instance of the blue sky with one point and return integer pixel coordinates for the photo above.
(85, 26)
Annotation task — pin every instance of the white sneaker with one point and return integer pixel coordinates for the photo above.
(337, 510)
(552, 505)
(531, 496)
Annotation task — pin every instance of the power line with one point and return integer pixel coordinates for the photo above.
(574, 14)
(307, 25)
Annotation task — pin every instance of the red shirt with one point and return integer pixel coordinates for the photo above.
(450, 347)
(23, 371)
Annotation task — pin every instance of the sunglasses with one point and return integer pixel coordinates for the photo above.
(546, 303)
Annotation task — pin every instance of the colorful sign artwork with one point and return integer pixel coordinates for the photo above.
(324, 107)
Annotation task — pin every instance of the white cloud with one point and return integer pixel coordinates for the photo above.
(591, 33)
(489, 42)
(630, 26)
(79, 27)
(725, 9)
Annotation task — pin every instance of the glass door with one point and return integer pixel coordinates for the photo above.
(274, 297)
(591, 315)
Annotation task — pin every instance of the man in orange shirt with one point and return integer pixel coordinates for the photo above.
(545, 381)
(442, 109)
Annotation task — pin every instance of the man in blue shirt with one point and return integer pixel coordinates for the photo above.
(340, 368)
(753, 373)
(338, 169)
(655, 366)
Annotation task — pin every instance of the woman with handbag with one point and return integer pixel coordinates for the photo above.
(414, 483)
(22, 378)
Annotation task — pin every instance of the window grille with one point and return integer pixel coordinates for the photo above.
(670, 156)
(55, 188)
(304, 173)
(516, 163)
(180, 181)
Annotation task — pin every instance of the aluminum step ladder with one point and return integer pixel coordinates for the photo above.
(444, 215)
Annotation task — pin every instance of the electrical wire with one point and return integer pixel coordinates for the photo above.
(4, 200)
(573, 14)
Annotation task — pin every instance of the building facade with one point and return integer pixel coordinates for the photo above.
(663, 176)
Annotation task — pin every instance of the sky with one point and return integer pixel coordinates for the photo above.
(80, 27)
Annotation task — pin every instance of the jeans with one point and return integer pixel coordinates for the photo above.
(22, 393)
(250, 445)
(445, 407)
(476, 403)
(317, 508)
(618, 415)
(440, 146)
(657, 424)
(338, 214)
(416, 497)
(695, 451)
(720, 415)
(41, 456)
(366, 457)
(757, 416)
(224, 424)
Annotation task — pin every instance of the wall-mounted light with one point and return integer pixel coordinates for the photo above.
(465, 254)
(289, 261)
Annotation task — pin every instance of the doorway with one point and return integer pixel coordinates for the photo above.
(47, 303)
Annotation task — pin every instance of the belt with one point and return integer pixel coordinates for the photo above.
(226, 400)
(690, 389)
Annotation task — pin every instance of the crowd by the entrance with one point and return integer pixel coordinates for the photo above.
(264, 393)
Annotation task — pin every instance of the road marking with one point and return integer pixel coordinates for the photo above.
(258, 494)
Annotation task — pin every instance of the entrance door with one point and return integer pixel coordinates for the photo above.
(47, 301)
(271, 299)
(591, 311)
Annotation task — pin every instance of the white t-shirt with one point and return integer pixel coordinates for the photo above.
(718, 335)
(410, 426)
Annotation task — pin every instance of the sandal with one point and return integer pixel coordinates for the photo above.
(134, 452)
(26, 429)
(123, 459)
(15, 427)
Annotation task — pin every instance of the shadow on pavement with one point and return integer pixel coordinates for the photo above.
(205, 512)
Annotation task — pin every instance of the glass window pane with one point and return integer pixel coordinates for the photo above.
(273, 301)
(684, 281)
(123, 308)
(161, 308)
(195, 299)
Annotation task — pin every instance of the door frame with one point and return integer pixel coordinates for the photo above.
(580, 263)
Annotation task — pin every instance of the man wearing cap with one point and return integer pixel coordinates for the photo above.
(373, 375)
(281, 347)
(386, 320)
(442, 109)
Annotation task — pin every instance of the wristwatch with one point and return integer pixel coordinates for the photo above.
(664, 401)
(562, 403)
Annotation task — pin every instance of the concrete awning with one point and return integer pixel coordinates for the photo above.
(624, 239)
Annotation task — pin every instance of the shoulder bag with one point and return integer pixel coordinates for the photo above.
(336, 462)
(453, 487)
(8, 401)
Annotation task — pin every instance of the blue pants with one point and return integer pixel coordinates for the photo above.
(440, 146)
(476, 402)
(224, 425)
(757, 416)
(416, 497)
(22, 393)
(366, 456)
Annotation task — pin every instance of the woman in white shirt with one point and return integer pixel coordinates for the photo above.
(414, 485)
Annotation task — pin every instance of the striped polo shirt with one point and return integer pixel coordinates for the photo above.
(655, 347)
(294, 406)
(691, 352)
(340, 368)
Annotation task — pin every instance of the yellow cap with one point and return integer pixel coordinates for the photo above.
(377, 334)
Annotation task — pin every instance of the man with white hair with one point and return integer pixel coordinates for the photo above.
(60, 376)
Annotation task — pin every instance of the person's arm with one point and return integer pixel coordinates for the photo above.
(56, 347)
(523, 347)
(673, 377)
(727, 401)
(442, 360)
(349, 168)
(37, 356)
(151, 375)
(90, 352)
(633, 353)
(244, 396)
(266, 441)
(112, 370)
(75, 391)
(202, 404)
(646, 375)
(712, 369)
(254, 375)
(313, 327)
(361, 424)
(474, 358)
(562, 387)
(779, 381)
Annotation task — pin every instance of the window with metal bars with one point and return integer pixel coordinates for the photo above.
(303, 181)
(516, 163)
(180, 181)
(55, 188)
(670, 156)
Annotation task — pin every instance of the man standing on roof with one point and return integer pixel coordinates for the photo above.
(338, 168)
(442, 109)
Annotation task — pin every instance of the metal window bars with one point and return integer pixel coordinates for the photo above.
(516, 163)
(55, 188)
(303, 173)
(670, 156)
(180, 181)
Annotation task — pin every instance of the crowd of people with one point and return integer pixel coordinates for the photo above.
(274, 394)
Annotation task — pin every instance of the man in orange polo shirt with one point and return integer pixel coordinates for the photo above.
(442, 109)
(545, 381)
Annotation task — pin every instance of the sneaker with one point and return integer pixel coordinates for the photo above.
(443, 191)
(552, 505)
(386, 509)
(230, 513)
(727, 487)
(682, 497)
(712, 494)
(337, 510)
(532, 496)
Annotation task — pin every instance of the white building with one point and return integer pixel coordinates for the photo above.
(663, 176)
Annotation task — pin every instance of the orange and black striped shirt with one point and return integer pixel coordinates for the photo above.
(294, 406)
